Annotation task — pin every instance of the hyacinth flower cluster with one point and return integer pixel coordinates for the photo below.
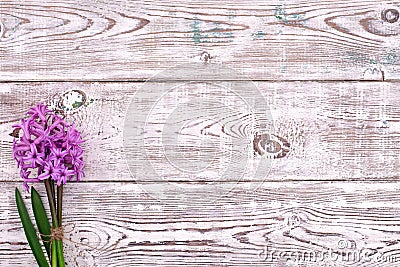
(48, 150)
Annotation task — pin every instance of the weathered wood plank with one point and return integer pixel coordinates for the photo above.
(345, 131)
(126, 227)
(264, 39)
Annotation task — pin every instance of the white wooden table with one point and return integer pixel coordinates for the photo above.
(328, 71)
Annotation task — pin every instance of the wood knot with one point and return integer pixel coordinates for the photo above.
(72, 100)
(390, 15)
(270, 145)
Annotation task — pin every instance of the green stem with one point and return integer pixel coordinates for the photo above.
(53, 212)
(59, 204)
(52, 202)
(60, 253)
(52, 189)
(53, 253)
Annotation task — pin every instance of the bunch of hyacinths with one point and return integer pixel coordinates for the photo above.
(47, 150)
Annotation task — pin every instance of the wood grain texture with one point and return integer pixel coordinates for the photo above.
(133, 40)
(333, 142)
(336, 131)
(126, 227)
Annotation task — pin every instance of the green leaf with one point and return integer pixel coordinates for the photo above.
(30, 232)
(42, 221)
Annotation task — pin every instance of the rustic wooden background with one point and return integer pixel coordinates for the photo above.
(329, 71)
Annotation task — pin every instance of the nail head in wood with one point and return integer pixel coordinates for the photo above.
(390, 15)
(205, 56)
(294, 221)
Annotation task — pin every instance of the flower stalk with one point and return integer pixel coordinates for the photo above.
(53, 148)
(60, 254)
(52, 202)
(55, 255)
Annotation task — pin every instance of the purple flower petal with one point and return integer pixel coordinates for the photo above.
(50, 146)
